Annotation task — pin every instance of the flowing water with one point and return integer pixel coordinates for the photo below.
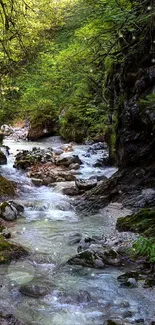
(49, 220)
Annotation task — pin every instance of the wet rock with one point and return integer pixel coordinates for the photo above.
(72, 191)
(65, 176)
(68, 160)
(85, 184)
(114, 322)
(19, 207)
(18, 133)
(124, 304)
(37, 181)
(85, 244)
(10, 319)
(81, 297)
(25, 158)
(7, 188)
(5, 233)
(34, 290)
(98, 146)
(57, 151)
(6, 149)
(68, 147)
(44, 129)
(140, 321)
(128, 314)
(129, 283)
(74, 238)
(10, 251)
(87, 258)
(101, 178)
(48, 174)
(89, 142)
(3, 159)
(149, 282)
(9, 210)
(95, 255)
(108, 254)
(125, 276)
(74, 166)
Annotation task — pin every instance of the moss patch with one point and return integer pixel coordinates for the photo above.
(1, 228)
(142, 222)
(10, 251)
(6, 188)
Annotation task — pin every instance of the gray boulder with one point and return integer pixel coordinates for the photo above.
(85, 185)
(9, 210)
(87, 258)
(129, 283)
(96, 255)
(68, 160)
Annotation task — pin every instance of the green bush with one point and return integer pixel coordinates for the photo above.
(145, 247)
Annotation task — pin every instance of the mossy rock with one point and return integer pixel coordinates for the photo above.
(1, 228)
(3, 159)
(149, 283)
(142, 222)
(10, 251)
(1, 137)
(4, 231)
(6, 188)
(23, 164)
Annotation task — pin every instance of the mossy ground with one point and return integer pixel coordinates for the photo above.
(142, 222)
(6, 188)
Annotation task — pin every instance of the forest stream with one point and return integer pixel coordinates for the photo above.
(76, 295)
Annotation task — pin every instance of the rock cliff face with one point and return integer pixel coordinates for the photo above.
(129, 85)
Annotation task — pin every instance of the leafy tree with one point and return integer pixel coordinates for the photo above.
(66, 53)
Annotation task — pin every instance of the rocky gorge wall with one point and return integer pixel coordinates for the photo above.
(129, 84)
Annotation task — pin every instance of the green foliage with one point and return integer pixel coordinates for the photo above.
(148, 102)
(56, 58)
(42, 111)
(145, 247)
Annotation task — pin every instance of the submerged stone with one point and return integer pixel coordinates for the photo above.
(34, 290)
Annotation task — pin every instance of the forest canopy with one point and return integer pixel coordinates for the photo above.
(57, 58)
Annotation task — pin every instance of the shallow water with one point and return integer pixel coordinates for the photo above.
(49, 219)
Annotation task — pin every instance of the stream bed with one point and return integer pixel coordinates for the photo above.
(77, 295)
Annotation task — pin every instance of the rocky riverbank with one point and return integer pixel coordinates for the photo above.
(55, 233)
(9, 211)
